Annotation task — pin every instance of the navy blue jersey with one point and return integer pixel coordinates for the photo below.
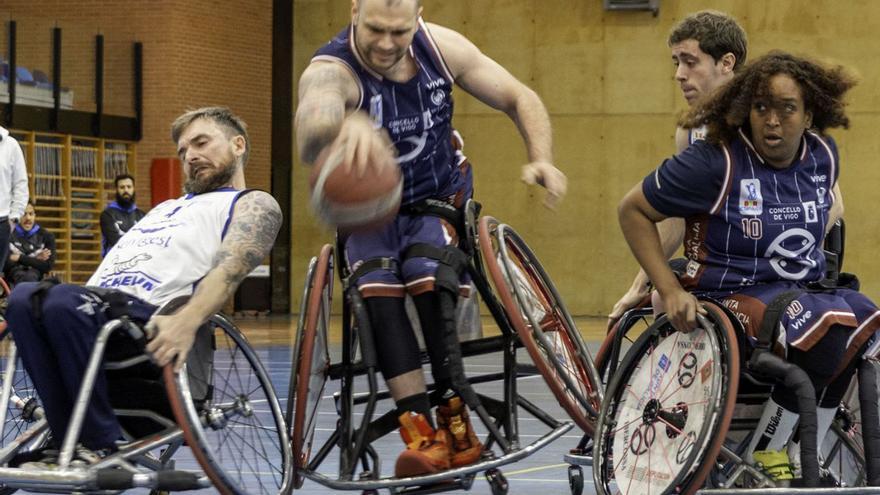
(417, 115)
(748, 223)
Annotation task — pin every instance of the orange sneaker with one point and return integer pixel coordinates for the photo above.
(454, 418)
(426, 451)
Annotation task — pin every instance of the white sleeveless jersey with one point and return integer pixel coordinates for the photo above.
(171, 249)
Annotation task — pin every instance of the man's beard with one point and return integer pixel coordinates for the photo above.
(219, 178)
(123, 202)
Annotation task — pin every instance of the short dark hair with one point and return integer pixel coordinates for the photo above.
(390, 3)
(231, 124)
(716, 32)
(822, 89)
(122, 177)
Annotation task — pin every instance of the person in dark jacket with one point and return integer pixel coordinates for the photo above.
(120, 215)
(31, 250)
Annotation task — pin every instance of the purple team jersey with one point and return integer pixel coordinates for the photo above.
(417, 115)
(754, 232)
(748, 223)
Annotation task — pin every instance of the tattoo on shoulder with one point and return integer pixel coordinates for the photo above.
(251, 235)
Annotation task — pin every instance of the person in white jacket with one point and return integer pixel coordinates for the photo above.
(13, 188)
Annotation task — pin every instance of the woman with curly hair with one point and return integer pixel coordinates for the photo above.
(758, 197)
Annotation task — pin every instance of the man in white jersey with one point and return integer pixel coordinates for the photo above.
(707, 48)
(201, 245)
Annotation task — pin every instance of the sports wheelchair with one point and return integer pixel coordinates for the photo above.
(216, 423)
(680, 409)
(529, 313)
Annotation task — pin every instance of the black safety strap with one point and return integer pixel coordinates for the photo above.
(371, 265)
(767, 330)
(437, 208)
(452, 262)
(37, 297)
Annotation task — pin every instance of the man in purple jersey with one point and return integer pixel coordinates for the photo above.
(754, 229)
(707, 48)
(388, 78)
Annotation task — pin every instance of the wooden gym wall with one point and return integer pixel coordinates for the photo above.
(607, 80)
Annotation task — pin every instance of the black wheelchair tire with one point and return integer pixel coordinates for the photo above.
(311, 344)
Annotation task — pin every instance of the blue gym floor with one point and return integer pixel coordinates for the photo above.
(544, 472)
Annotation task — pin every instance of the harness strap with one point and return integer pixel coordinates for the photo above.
(452, 262)
(436, 208)
(371, 265)
(772, 314)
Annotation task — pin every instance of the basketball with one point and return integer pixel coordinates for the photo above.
(345, 201)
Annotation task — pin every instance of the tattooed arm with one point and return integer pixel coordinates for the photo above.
(251, 234)
(328, 97)
(326, 90)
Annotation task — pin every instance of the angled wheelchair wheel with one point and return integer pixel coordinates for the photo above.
(842, 456)
(22, 405)
(544, 326)
(667, 409)
(311, 359)
(842, 452)
(625, 331)
(230, 417)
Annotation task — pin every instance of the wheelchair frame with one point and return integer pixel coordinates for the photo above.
(135, 464)
(729, 458)
(500, 417)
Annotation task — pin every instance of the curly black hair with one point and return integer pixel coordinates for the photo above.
(728, 109)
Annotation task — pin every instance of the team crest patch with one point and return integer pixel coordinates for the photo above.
(750, 201)
(810, 214)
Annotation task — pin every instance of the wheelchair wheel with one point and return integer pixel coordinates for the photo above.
(842, 455)
(230, 417)
(308, 374)
(667, 409)
(842, 452)
(631, 325)
(22, 405)
(538, 314)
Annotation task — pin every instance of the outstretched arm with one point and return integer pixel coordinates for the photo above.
(492, 84)
(251, 234)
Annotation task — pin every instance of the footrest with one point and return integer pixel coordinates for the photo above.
(485, 465)
(578, 460)
(120, 479)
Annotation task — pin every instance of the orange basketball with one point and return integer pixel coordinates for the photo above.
(348, 202)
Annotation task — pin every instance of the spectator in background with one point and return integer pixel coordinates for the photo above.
(31, 250)
(120, 215)
(13, 188)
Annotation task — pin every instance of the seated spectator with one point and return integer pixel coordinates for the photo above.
(120, 215)
(31, 250)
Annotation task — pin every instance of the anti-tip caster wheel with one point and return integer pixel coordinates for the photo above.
(576, 480)
(497, 482)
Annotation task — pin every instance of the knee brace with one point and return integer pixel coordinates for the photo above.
(393, 343)
(451, 263)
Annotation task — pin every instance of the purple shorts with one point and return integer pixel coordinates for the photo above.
(809, 317)
(416, 274)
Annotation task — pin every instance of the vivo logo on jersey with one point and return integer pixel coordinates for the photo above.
(819, 178)
(797, 323)
(750, 200)
(792, 264)
(436, 83)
